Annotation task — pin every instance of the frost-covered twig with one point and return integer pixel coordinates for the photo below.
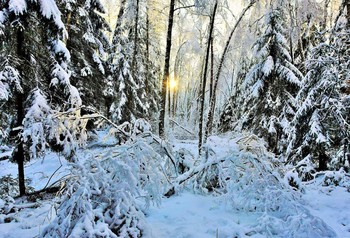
(176, 123)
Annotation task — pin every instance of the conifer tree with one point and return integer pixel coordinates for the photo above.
(130, 66)
(271, 84)
(35, 82)
(319, 126)
(319, 129)
(88, 46)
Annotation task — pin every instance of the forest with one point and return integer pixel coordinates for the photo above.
(174, 118)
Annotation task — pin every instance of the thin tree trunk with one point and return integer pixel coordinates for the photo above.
(291, 16)
(213, 99)
(169, 96)
(348, 14)
(148, 90)
(134, 63)
(176, 77)
(19, 151)
(211, 68)
(204, 81)
(325, 15)
(166, 69)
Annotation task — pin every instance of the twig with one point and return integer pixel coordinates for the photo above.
(183, 7)
(53, 174)
(176, 123)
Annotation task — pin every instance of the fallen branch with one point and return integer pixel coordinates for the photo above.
(166, 149)
(176, 123)
(192, 172)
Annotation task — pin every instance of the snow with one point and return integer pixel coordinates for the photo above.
(18, 6)
(185, 214)
(332, 205)
(268, 66)
(191, 215)
(50, 10)
(316, 128)
(60, 47)
(74, 96)
(2, 16)
(39, 171)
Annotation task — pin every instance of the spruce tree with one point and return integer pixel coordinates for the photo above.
(319, 131)
(35, 76)
(88, 46)
(271, 84)
(131, 71)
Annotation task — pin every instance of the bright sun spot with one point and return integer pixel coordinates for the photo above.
(172, 83)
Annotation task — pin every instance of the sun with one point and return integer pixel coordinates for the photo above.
(172, 84)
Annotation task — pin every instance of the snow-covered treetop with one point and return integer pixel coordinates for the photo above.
(48, 9)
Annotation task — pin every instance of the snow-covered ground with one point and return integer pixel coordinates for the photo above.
(183, 215)
(191, 215)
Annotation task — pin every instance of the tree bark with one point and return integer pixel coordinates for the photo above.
(213, 99)
(204, 80)
(211, 68)
(348, 14)
(148, 90)
(19, 151)
(134, 63)
(166, 69)
(325, 14)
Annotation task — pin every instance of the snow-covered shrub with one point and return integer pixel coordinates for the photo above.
(141, 126)
(302, 224)
(128, 130)
(150, 167)
(9, 186)
(6, 205)
(254, 184)
(305, 169)
(341, 158)
(336, 178)
(99, 202)
(208, 179)
(43, 126)
(291, 178)
(184, 160)
(103, 197)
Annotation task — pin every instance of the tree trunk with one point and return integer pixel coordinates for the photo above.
(19, 151)
(213, 99)
(348, 14)
(204, 80)
(148, 90)
(134, 63)
(322, 161)
(325, 14)
(169, 96)
(211, 69)
(166, 69)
